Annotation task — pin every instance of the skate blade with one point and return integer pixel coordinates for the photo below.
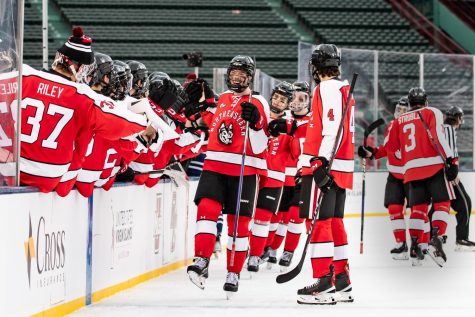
(230, 295)
(284, 269)
(269, 266)
(323, 299)
(437, 259)
(401, 257)
(464, 248)
(416, 262)
(344, 297)
(197, 279)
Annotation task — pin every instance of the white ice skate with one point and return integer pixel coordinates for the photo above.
(400, 252)
(320, 293)
(198, 271)
(272, 259)
(231, 285)
(463, 245)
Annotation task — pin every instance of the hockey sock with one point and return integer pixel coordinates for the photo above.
(424, 243)
(294, 229)
(219, 225)
(340, 258)
(242, 242)
(259, 231)
(441, 216)
(281, 231)
(274, 224)
(416, 221)
(396, 214)
(322, 247)
(205, 237)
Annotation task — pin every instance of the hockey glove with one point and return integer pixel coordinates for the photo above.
(208, 91)
(278, 126)
(163, 93)
(321, 175)
(452, 168)
(298, 178)
(366, 152)
(251, 114)
(194, 90)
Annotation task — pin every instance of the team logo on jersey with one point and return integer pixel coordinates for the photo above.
(225, 133)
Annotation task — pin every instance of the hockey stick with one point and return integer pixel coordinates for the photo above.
(160, 171)
(239, 193)
(283, 278)
(439, 151)
(373, 126)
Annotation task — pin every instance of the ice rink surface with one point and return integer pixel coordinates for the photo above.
(381, 286)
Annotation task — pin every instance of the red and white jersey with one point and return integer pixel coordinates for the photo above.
(329, 100)
(296, 147)
(8, 96)
(278, 153)
(56, 115)
(226, 137)
(394, 164)
(420, 157)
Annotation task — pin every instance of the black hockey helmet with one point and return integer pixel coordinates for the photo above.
(128, 74)
(245, 63)
(402, 106)
(104, 68)
(301, 86)
(8, 55)
(417, 98)
(158, 75)
(453, 115)
(139, 78)
(285, 89)
(323, 57)
(120, 84)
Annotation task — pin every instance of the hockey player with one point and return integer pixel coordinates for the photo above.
(140, 79)
(462, 203)
(396, 191)
(218, 185)
(287, 223)
(67, 111)
(329, 241)
(425, 172)
(270, 193)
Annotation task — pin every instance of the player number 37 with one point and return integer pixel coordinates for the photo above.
(34, 121)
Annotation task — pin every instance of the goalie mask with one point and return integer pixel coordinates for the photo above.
(8, 56)
(301, 98)
(324, 57)
(281, 96)
(104, 75)
(240, 73)
(402, 107)
(76, 57)
(140, 80)
(417, 98)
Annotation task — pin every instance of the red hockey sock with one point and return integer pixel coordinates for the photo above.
(259, 231)
(242, 243)
(205, 237)
(281, 231)
(396, 214)
(274, 224)
(441, 216)
(416, 221)
(294, 229)
(322, 248)
(340, 257)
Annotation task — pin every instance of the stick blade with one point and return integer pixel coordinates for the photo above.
(290, 275)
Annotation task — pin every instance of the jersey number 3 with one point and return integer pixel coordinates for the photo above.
(410, 129)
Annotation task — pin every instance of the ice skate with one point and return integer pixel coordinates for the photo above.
(416, 253)
(343, 288)
(231, 285)
(265, 255)
(253, 263)
(400, 252)
(285, 260)
(463, 245)
(322, 292)
(198, 271)
(436, 252)
(272, 259)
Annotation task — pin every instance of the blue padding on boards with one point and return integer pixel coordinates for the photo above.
(90, 205)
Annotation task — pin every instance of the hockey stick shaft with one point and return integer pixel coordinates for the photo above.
(239, 193)
(373, 126)
(283, 278)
